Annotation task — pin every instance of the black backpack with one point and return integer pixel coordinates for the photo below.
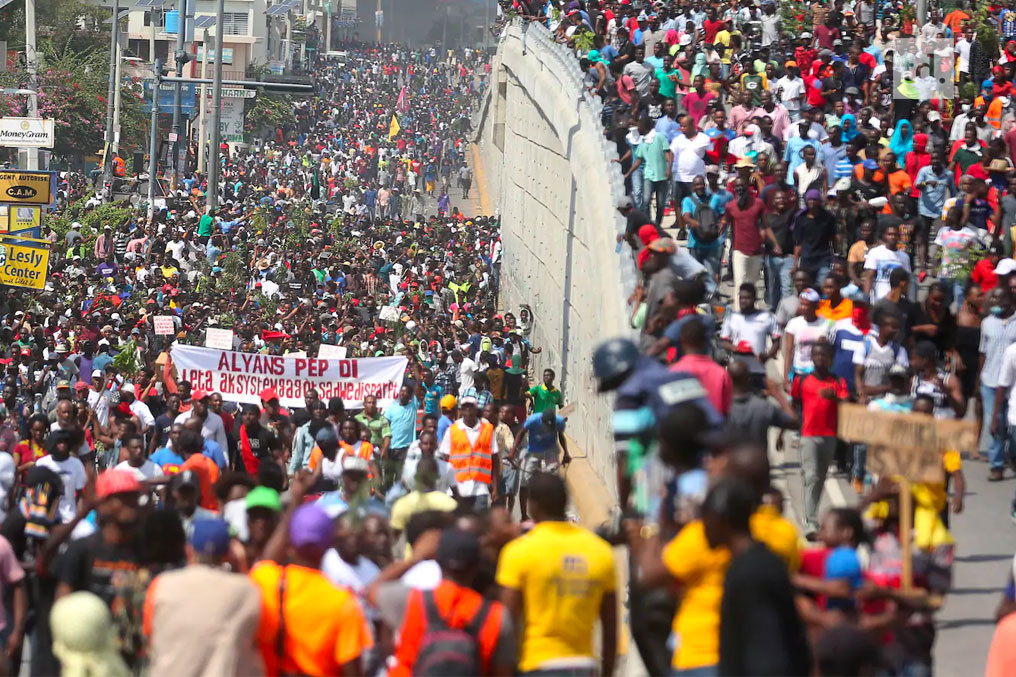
(446, 651)
(708, 228)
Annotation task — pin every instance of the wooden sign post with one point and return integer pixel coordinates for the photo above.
(910, 447)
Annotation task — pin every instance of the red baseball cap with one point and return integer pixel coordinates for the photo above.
(268, 394)
(114, 482)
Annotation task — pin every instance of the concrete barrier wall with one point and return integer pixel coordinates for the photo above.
(545, 165)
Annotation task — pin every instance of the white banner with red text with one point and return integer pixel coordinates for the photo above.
(242, 377)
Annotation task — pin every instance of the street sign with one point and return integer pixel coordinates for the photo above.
(167, 93)
(23, 266)
(26, 188)
(172, 137)
(26, 133)
(233, 93)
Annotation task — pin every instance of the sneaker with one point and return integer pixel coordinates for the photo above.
(995, 475)
(857, 484)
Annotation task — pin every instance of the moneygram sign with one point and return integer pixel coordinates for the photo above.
(926, 68)
(26, 188)
(23, 266)
(26, 133)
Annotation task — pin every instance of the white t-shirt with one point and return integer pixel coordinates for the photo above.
(72, 472)
(754, 328)
(469, 487)
(963, 55)
(689, 156)
(147, 471)
(877, 359)
(1007, 378)
(789, 92)
(884, 261)
(357, 577)
(805, 335)
(466, 371)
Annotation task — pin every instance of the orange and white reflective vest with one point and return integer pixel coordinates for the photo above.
(472, 461)
(994, 114)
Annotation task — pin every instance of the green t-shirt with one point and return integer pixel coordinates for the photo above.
(544, 397)
(205, 225)
(668, 88)
(379, 428)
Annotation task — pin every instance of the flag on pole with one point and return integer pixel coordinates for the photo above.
(402, 105)
(393, 128)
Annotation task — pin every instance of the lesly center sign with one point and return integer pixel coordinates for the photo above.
(23, 266)
(26, 133)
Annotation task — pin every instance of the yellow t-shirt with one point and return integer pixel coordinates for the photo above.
(700, 570)
(563, 572)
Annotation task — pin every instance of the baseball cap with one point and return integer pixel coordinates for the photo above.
(898, 370)
(448, 402)
(842, 184)
(663, 245)
(810, 295)
(790, 64)
(310, 525)
(870, 164)
(1005, 267)
(355, 464)
(458, 549)
(326, 435)
(268, 394)
(97, 373)
(199, 394)
(624, 202)
(116, 481)
(210, 537)
(63, 383)
(127, 388)
(263, 497)
(713, 169)
(934, 115)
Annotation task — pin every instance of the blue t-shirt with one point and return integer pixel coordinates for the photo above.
(432, 400)
(403, 420)
(213, 450)
(541, 440)
(167, 457)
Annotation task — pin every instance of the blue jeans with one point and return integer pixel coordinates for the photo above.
(996, 443)
(637, 188)
(860, 460)
(710, 257)
(704, 671)
(778, 282)
(659, 189)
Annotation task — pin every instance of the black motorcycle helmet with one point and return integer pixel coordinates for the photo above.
(613, 362)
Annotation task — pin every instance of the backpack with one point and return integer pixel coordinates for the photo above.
(708, 228)
(446, 651)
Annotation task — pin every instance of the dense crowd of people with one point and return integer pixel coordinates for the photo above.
(819, 205)
(863, 217)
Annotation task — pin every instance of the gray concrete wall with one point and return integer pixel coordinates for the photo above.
(545, 166)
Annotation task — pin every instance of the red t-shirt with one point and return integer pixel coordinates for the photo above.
(984, 275)
(696, 104)
(711, 28)
(745, 224)
(819, 414)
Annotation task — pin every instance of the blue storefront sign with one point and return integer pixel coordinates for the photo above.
(166, 97)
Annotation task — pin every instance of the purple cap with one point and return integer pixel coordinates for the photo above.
(813, 194)
(310, 525)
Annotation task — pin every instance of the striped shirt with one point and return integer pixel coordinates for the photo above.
(997, 333)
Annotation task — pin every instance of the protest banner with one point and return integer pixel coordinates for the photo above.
(241, 377)
(219, 338)
(908, 447)
(163, 325)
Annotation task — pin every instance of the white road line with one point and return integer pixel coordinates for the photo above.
(835, 492)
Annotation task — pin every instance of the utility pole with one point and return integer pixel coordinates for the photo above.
(114, 87)
(32, 60)
(153, 141)
(180, 57)
(115, 148)
(213, 152)
(202, 146)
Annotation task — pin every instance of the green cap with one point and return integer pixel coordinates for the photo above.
(264, 497)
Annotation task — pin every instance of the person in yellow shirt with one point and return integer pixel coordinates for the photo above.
(700, 570)
(556, 581)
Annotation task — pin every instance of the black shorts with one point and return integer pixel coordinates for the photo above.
(923, 227)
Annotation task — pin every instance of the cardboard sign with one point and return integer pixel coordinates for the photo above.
(329, 352)
(216, 337)
(164, 325)
(908, 445)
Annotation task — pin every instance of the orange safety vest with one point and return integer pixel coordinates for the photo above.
(472, 462)
(994, 114)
